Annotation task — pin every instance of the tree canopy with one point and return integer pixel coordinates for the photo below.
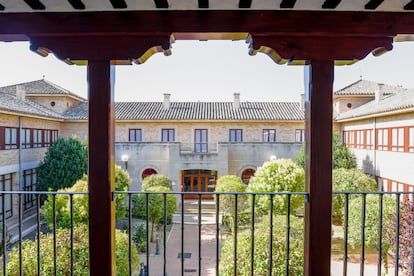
(64, 163)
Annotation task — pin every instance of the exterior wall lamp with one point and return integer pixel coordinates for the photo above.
(124, 159)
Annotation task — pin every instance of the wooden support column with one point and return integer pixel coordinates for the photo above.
(319, 77)
(101, 168)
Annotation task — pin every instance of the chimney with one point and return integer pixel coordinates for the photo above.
(20, 92)
(302, 101)
(379, 92)
(167, 100)
(236, 103)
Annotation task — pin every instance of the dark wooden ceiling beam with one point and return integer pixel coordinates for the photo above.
(118, 4)
(161, 4)
(203, 4)
(330, 4)
(409, 6)
(77, 4)
(373, 4)
(318, 23)
(245, 4)
(35, 4)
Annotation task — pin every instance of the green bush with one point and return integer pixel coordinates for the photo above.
(156, 206)
(348, 180)
(372, 216)
(342, 156)
(63, 261)
(122, 183)
(80, 202)
(244, 219)
(140, 237)
(231, 183)
(64, 163)
(261, 249)
(156, 180)
(282, 175)
(80, 206)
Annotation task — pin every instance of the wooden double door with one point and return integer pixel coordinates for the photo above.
(198, 181)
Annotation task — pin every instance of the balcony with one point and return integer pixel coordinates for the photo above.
(203, 237)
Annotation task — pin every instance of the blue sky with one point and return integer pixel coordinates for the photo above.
(204, 71)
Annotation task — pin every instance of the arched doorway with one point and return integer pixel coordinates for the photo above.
(247, 174)
(148, 172)
(198, 181)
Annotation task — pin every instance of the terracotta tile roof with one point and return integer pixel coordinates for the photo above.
(222, 111)
(9, 103)
(40, 88)
(401, 101)
(368, 88)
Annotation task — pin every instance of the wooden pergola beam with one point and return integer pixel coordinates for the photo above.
(317, 24)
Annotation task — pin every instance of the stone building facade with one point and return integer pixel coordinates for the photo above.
(193, 143)
(379, 130)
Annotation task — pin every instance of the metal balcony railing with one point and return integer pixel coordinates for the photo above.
(230, 234)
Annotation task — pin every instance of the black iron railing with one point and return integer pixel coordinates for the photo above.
(223, 235)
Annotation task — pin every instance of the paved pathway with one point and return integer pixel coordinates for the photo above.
(191, 252)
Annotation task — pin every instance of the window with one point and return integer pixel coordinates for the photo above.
(26, 138)
(300, 135)
(269, 135)
(349, 138)
(168, 135)
(37, 138)
(6, 185)
(54, 136)
(397, 139)
(369, 139)
(236, 135)
(360, 139)
(135, 135)
(29, 184)
(411, 139)
(382, 136)
(9, 138)
(200, 140)
(47, 138)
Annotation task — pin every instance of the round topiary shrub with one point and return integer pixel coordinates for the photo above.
(156, 180)
(282, 175)
(231, 183)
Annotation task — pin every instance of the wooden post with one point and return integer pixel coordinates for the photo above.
(101, 168)
(318, 210)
